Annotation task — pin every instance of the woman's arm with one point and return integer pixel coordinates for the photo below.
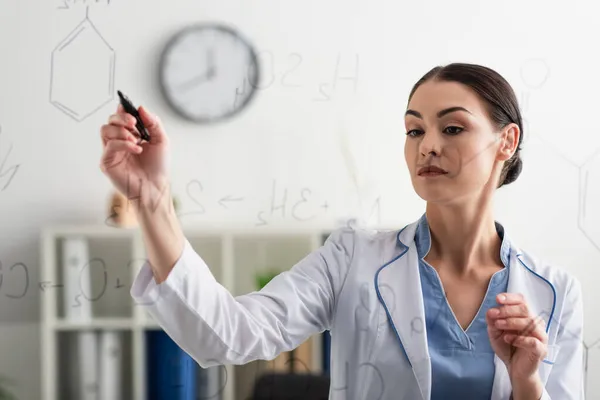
(566, 378)
(214, 327)
(161, 232)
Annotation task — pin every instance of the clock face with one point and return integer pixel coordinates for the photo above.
(208, 73)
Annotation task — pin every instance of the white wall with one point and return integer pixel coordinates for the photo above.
(283, 133)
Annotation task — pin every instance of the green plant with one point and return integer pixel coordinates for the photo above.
(262, 278)
(6, 394)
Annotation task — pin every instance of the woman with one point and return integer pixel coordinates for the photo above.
(445, 308)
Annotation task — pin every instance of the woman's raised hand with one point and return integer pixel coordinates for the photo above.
(135, 167)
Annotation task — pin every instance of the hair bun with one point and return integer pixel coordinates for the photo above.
(514, 171)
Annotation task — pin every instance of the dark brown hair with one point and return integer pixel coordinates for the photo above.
(496, 92)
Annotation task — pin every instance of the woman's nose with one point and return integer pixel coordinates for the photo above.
(430, 144)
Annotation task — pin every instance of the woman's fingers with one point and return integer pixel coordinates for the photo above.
(122, 119)
(523, 326)
(526, 342)
(117, 151)
(154, 126)
(117, 130)
(510, 298)
(493, 331)
(513, 310)
(514, 315)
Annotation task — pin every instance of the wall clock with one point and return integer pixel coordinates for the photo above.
(208, 72)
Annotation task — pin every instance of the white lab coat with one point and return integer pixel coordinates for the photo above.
(364, 287)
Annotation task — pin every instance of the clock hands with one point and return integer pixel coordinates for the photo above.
(200, 79)
(210, 56)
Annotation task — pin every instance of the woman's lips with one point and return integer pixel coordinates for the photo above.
(431, 170)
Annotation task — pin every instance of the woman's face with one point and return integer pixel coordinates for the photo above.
(448, 127)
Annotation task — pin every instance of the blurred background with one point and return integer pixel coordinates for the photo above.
(286, 121)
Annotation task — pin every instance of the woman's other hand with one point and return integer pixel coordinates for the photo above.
(518, 338)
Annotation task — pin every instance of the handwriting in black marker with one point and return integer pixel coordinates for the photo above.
(362, 312)
(323, 88)
(102, 266)
(296, 66)
(7, 173)
(336, 77)
(21, 267)
(193, 189)
(228, 198)
(282, 206)
(260, 214)
(304, 192)
(586, 355)
(119, 284)
(77, 301)
(270, 67)
(416, 326)
(346, 379)
(587, 220)
(261, 219)
(390, 302)
(292, 361)
(74, 51)
(66, 4)
(239, 94)
(360, 366)
(154, 196)
(164, 191)
(323, 92)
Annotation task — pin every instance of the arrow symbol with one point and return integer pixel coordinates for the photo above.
(229, 198)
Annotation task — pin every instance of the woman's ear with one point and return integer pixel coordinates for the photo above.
(509, 142)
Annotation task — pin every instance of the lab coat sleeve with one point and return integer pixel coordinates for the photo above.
(216, 328)
(566, 378)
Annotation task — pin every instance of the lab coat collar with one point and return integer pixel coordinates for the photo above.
(405, 308)
(423, 240)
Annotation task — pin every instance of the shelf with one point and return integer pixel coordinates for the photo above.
(76, 372)
(75, 309)
(96, 324)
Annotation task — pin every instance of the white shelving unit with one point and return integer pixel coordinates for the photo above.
(116, 255)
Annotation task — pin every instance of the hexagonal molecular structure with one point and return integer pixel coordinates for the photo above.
(591, 368)
(589, 212)
(82, 72)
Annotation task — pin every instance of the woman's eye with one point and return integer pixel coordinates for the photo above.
(453, 130)
(413, 132)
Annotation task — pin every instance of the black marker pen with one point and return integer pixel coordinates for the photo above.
(130, 109)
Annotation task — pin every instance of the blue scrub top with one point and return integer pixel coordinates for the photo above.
(462, 362)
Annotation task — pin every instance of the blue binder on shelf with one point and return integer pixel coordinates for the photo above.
(326, 353)
(171, 372)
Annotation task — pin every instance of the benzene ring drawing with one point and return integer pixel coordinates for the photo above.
(82, 72)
